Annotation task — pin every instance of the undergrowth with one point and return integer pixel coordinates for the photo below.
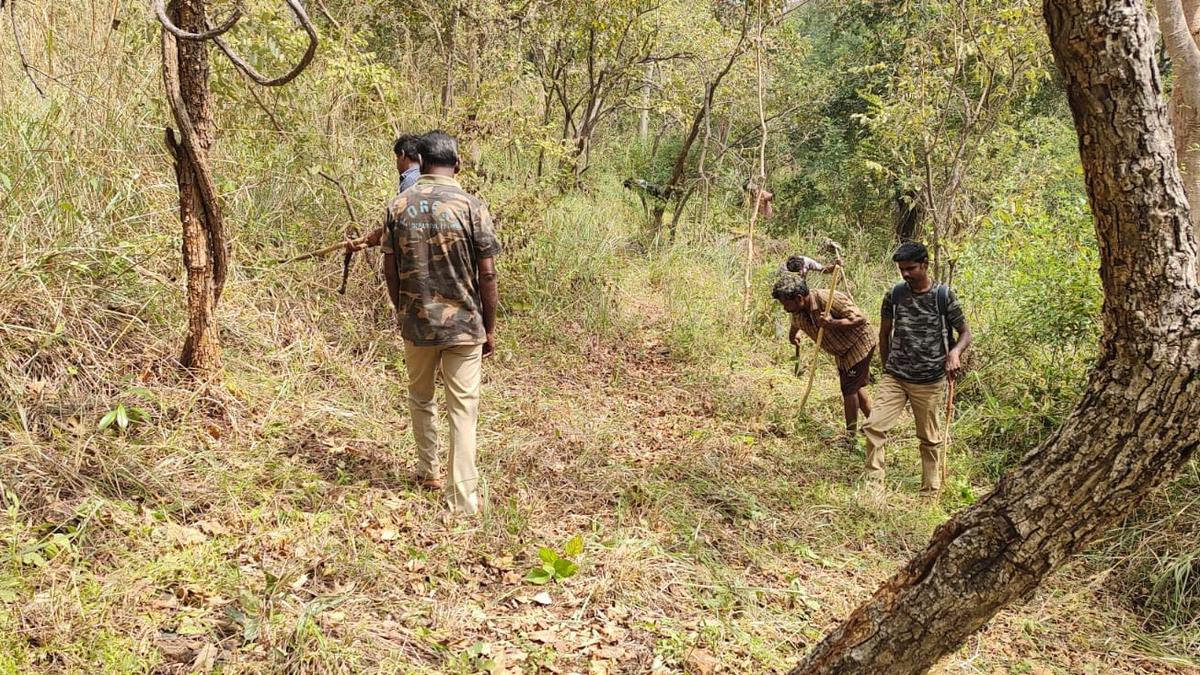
(264, 522)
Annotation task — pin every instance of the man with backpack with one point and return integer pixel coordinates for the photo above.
(916, 344)
(439, 254)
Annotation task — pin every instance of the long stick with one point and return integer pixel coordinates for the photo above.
(340, 246)
(812, 370)
(949, 421)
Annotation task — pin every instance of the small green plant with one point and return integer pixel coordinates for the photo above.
(122, 417)
(555, 566)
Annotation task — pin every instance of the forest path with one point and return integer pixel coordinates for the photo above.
(273, 527)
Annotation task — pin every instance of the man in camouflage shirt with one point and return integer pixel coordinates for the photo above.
(918, 355)
(439, 257)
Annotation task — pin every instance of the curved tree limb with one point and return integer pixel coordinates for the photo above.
(253, 74)
(195, 155)
(160, 10)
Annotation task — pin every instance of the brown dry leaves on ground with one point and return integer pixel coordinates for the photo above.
(269, 525)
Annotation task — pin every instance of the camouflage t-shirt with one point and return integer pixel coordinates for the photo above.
(439, 233)
(917, 352)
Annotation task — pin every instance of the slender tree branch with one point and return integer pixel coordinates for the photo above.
(263, 106)
(329, 17)
(12, 14)
(253, 74)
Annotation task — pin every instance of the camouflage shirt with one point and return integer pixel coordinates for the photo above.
(917, 352)
(439, 233)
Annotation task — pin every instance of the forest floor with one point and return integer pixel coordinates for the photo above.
(269, 525)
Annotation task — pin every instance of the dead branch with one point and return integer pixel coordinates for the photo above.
(345, 195)
(326, 250)
(263, 106)
(12, 13)
(253, 74)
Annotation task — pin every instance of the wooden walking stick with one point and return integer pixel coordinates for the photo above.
(812, 370)
(945, 451)
(340, 246)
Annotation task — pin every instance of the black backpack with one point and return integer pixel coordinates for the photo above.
(901, 290)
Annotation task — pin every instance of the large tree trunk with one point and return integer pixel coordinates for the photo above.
(204, 245)
(1136, 423)
(1179, 20)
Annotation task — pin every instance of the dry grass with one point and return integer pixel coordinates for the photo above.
(716, 523)
(264, 522)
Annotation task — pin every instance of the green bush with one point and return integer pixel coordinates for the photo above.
(1034, 298)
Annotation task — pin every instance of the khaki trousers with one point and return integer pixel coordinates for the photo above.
(926, 401)
(461, 374)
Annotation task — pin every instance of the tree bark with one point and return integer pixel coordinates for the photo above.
(1135, 425)
(1178, 19)
(204, 245)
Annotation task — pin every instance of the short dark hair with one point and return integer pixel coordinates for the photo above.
(795, 264)
(789, 287)
(438, 148)
(406, 146)
(911, 251)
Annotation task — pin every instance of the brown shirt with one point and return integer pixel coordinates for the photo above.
(849, 346)
(439, 233)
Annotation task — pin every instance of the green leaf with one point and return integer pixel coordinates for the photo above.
(573, 547)
(539, 576)
(107, 420)
(547, 555)
(122, 417)
(33, 558)
(565, 569)
(137, 415)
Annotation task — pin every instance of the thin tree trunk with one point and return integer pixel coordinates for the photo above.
(1179, 19)
(762, 173)
(1135, 425)
(204, 245)
(644, 114)
(448, 62)
(673, 185)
